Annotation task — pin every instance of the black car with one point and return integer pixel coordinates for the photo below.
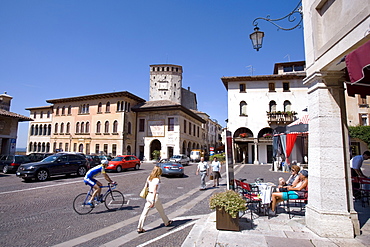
(10, 163)
(94, 160)
(57, 164)
(34, 157)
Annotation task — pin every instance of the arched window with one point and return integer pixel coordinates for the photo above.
(57, 111)
(56, 128)
(82, 127)
(69, 110)
(48, 114)
(49, 129)
(32, 130)
(77, 127)
(118, 105)
(287, 106)
(106, 127)
(68, 128)
(62, 128)
(30, 147)
(81, 148)
(115, 126)
(129, 128)
(107, 107)
(243, 108)
(45, 130)
(98, 127)
(63, 110)
(100, 107)
(34, 147)
(128, 149)
(41, 114)
(272, 106)
(87, 128)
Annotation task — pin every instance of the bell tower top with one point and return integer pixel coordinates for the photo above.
(165, 82)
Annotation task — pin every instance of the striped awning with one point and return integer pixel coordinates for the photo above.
(302, 120)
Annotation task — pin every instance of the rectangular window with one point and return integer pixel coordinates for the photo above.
(184, 126)
(198, 132)
(288, 68)
(242, 87)
(171, 124)
(106, 148)
(114, 149)
(194, 130)
(271, 86)
(97, 148)
(189, 128)
(141, 125)
(362, 102)
(286, 87)
(74, 147)
(87, 148)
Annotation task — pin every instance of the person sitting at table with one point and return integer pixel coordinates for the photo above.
(292, 180)
(294, 192)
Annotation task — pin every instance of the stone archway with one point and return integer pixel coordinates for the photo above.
(155, 145)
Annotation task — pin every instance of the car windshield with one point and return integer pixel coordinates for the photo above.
(117, 159)
(50, 158)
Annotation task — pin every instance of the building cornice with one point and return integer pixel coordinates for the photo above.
(97, 96)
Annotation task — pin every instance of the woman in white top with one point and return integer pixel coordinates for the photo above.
(216, 169)
(152, 199)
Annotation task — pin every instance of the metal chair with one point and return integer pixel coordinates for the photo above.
(300, 201)
(250, 194)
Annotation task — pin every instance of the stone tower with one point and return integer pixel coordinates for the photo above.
(165, 82)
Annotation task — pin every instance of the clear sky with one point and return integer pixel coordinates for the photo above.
(53, 49)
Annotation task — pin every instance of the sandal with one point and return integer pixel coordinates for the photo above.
(169, 223)
(140, 231)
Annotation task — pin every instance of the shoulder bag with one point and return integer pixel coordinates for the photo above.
(144, 192)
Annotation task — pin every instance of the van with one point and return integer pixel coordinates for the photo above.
(195, 155)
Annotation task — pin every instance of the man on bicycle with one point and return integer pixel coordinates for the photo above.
(90, 180)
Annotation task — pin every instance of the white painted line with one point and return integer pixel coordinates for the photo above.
(168, 233)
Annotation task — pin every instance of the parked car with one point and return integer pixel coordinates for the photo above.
(180, 158)
(195, 155)
(94, 160)
(122, 162)
(105, 157)
(10, 163)
(171, 169)
(34, 157)
(57, 164)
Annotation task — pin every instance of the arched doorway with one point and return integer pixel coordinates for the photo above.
(81, 148)
(242, 138)
(155, 145)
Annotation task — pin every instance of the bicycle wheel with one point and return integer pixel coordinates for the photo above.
(80, 204)
(114, 200)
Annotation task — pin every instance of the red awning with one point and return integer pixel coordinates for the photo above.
(358, 67)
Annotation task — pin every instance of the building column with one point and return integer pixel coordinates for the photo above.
(330, 211)
(256, 162)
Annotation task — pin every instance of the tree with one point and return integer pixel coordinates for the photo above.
(360, 132)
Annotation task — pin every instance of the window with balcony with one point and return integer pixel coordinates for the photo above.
(272, 106)
(287, 106)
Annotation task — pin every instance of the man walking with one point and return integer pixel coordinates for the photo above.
(356, 164)
(203, 170)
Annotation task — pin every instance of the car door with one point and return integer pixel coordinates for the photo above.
(58, 165)
(73, 163)
(127, 162)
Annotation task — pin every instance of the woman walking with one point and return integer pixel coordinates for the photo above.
(152, 199)
(216, 169)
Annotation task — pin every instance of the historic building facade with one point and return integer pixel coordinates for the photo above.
(123, 123)
(258, 105)
(9, 125)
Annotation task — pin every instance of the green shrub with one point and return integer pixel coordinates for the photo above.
(229, 200)
(360, 132)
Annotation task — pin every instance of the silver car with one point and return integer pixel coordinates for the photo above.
(180, 158)
(171, 169)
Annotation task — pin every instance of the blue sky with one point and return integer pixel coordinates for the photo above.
(63, 48)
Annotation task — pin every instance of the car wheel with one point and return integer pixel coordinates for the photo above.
(6, 169)
(118, 169)
(81, 171)
(42, 175)
(137, 167)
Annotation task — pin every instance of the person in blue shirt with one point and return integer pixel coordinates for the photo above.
(90, 180)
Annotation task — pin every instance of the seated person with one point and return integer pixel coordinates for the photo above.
(292, 180)
(294, 192)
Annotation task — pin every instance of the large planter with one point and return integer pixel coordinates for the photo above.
(224, 221)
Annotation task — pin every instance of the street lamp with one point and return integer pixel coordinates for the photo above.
(257, 35)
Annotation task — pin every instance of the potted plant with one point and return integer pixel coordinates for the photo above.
(228, 204)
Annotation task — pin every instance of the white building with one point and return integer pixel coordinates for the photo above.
(257, 105)
(333, 30)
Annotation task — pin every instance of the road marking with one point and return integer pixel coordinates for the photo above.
(132, 235)
(60, 184)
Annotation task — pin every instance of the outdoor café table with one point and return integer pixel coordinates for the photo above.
(265, 190)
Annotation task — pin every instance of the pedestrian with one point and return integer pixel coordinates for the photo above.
(203, 170)
(152, 199)
(216, 170)
(356, 164)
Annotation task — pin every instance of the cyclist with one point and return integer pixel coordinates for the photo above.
(90, 180)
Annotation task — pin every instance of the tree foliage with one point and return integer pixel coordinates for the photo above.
(360, 132)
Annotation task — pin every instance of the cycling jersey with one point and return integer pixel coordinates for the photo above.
(93, 172)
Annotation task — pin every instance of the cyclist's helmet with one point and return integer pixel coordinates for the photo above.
(105, 162)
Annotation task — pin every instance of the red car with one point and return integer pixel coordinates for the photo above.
(123, 162)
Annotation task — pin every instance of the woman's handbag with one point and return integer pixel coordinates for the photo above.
(211, 177)
(144, 192)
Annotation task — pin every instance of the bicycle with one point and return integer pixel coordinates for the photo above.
(113, 200)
